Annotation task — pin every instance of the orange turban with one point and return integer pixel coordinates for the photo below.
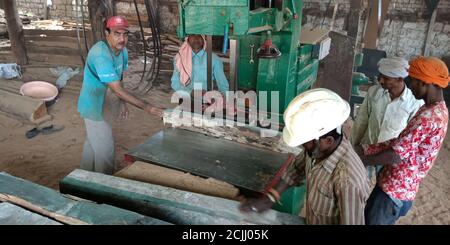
(430, 70)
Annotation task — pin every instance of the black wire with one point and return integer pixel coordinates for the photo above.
(154, 71)
(143, 40)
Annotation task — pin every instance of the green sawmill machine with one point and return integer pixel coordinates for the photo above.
(265, 49)
(266, 55)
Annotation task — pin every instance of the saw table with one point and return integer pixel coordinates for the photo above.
(244, 166)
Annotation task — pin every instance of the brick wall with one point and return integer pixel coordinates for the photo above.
(405, 27)
(61, 9)
(35, 7)
(403, 34)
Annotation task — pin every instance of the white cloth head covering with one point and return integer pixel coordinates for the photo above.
(393, 67)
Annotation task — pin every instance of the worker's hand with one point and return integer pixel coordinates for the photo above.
(124, 112)
(154, 110)
(258, 205)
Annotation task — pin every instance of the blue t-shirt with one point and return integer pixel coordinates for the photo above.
(102, 67)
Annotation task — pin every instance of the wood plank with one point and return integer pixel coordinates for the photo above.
(38, 58)
(338, 65)
(31, 73)
(50, 42)
(50, 203)
(241, 165)
(171, 205)
(153, 174)
(43, 50)
(230, 130)
(59, 33)
(14, 215)
(313, 36)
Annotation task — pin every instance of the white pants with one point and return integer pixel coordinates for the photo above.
(98, 150)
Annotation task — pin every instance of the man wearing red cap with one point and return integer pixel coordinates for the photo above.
(105, 64)
(408, 158)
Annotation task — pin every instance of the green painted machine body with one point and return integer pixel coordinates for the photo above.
(294, 72)
(290, 74)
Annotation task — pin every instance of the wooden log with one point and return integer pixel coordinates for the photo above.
(14, 215)
(99, 11)
(171, 205)
(22, 107)
(153, 174)
(15, 32)
(49, 203)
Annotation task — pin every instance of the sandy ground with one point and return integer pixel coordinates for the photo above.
(46, 159)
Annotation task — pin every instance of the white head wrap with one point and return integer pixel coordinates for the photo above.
(393, 67)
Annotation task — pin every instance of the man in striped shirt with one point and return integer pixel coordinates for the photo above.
(336, 180)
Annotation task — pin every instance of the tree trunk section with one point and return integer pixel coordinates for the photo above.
(99, 12)
(15, 32)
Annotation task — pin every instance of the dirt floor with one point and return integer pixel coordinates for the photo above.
(46, 159)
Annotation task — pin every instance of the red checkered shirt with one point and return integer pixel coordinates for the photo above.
(418, 146)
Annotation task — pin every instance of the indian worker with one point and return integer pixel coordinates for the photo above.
(190, 67)
(336, 180)
(387, 107)
(408, 158)
(105, 64)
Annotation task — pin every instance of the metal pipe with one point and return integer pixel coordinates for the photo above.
(234, 51)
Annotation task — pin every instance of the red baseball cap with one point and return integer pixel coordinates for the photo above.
(117, 22)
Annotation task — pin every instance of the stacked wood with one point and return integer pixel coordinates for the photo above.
(171, 205)
(49, 203)
(55, 47)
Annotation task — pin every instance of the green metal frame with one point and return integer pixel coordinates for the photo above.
(294, 72)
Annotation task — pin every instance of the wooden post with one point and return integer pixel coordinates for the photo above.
(375, 23)
(99, 11)
(15, 32)
(426, 51)
(333, 18)
(354, 17)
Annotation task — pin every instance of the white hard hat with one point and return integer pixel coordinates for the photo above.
(313, 114)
